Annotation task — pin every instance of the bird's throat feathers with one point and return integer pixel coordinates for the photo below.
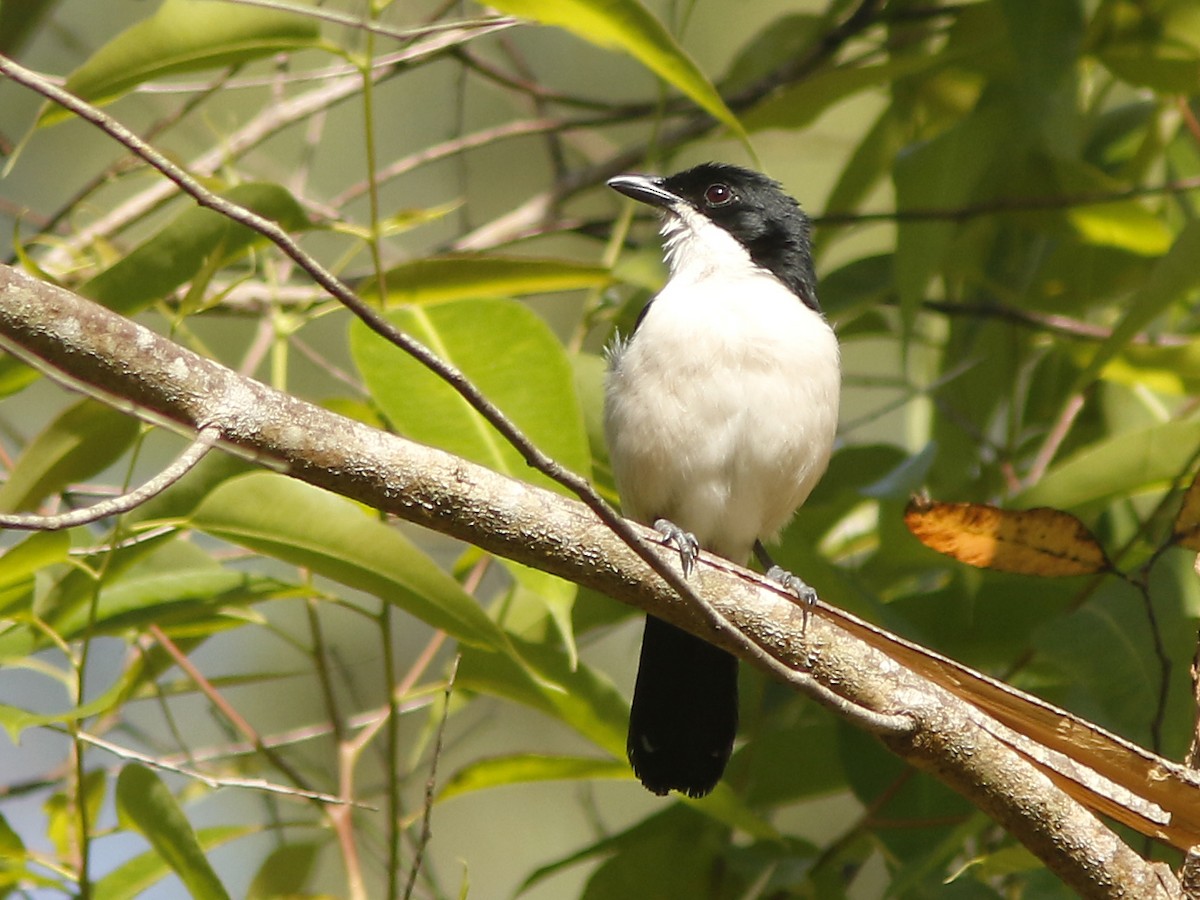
(695, 247)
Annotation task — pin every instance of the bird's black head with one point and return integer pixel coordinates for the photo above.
(751, 207)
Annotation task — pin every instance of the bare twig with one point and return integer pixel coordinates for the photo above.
(114, 506)
(1054, 440)
(254, 784)
(1051, 322)
(236, 719)
(431, 785)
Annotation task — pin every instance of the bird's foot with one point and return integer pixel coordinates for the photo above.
(796, 585)
(793, 583)
(683, 541)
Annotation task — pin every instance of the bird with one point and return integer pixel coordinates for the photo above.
(720, 413)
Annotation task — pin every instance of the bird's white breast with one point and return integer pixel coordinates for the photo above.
(721, 409)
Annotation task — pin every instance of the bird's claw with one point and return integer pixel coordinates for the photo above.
(684, 541)
(796, 585)
(793, 583)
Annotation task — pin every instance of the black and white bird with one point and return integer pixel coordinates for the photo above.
(720, 414)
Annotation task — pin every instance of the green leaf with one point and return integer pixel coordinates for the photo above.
(284, 872)
(1167, 370)
(511, 355)
(1172, 279)
(508, 353)
(305, 526)
(521, 768)
(15, 375)
(82, 440)
(1129, 462)
(627, 25)
(177, 252)
(22, 562)
(1150, 45)
(468, 276)
(1097, 654)
(144, 804)
(867, 166)
(1123, 224)
(168, 599)
(15, 720)
(941, 174)
(132, 878)
(185, 36)
(798, 105)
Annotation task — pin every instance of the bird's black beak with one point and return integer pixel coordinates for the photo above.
(645, 189)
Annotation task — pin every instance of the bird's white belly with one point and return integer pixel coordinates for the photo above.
(721, 415)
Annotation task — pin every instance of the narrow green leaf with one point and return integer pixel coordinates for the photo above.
(799, 104)
(15, 720)
(628, 26)
(146, 805)
(941, 174)
(867, 167)
(1167, 370)
(1125, 225)
(1172, 279)
(21, 562)
(135, 876)
(82, 440)
(469, 276)
(168, 599)
(284, 872)
(15, 375)
(1129, 462)
(305, 526)
(177, 252)
(11, 844)
(185, 36)
(520, 768)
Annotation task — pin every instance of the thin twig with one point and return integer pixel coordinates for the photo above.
(431, 784)
(254, 784)
(1052, 322)
(115, 506)
(1054, 440)
(227, 710)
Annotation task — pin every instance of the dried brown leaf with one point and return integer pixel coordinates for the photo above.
(1043, 541)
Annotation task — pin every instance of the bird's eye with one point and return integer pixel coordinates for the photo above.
(718, 195)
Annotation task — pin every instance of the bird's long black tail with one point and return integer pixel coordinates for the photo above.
(685, 711)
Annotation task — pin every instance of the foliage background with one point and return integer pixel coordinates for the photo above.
(1007, 246)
